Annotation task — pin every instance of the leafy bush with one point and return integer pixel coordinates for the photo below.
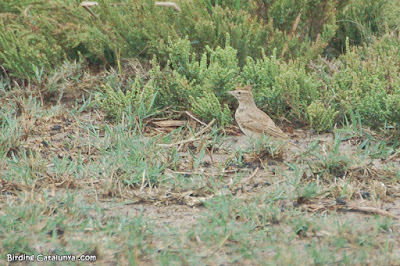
(281, 88)
(360, 20)
(321, 117)
(279, 46)
(208, 107)
(184, 83)
(365, 80)
(115, 102)
(44, 34)
(198, 85)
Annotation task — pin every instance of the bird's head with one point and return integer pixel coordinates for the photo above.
(242, 94)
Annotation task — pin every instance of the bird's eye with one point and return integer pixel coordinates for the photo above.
(239, 92)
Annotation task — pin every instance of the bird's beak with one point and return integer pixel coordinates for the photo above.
(231, 93)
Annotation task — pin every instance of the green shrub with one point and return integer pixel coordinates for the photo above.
(360, 20)
(321, 117)
(198, 85)
(208, 107)
(232, 43)
(281, 88)
(21, 50)
(368, 81)
(393, 108)
(44, 34)
(115, 102)
(247, 35)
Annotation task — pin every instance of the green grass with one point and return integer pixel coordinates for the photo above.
(76, 179)
(85, 167)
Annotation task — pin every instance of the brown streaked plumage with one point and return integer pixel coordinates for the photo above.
(251, 120)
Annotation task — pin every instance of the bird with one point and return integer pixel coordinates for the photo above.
(252, 121)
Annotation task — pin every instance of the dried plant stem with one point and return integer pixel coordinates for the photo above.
(374, 210)
(294, 27)
(169, 4)
(195, 118)
(195, 138)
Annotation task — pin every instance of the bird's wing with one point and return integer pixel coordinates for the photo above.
(259, 122)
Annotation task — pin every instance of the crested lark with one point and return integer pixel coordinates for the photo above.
(251, 120)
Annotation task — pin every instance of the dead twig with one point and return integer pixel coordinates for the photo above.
(26, 10)
(373, 210)
(143, 179)
(170, 123)
(219, 246)
(393, 156)
(95, 192)
(120, 190)
(205, 129)
(349, 207)
(195, 138)
(87, 4)
(248, 179)
(200, 132)
(195, 118)
(210, 153)
(169, 4)
(294, 27)
(179, 143)
(170, 172)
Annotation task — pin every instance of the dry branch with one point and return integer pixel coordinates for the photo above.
(248, 179)
(374, 210)
(170, 123)
(195, 138)
(169, 4)
(195, 118)
(294, 27)
(179, 142)
(348, 207)
(87, 4)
